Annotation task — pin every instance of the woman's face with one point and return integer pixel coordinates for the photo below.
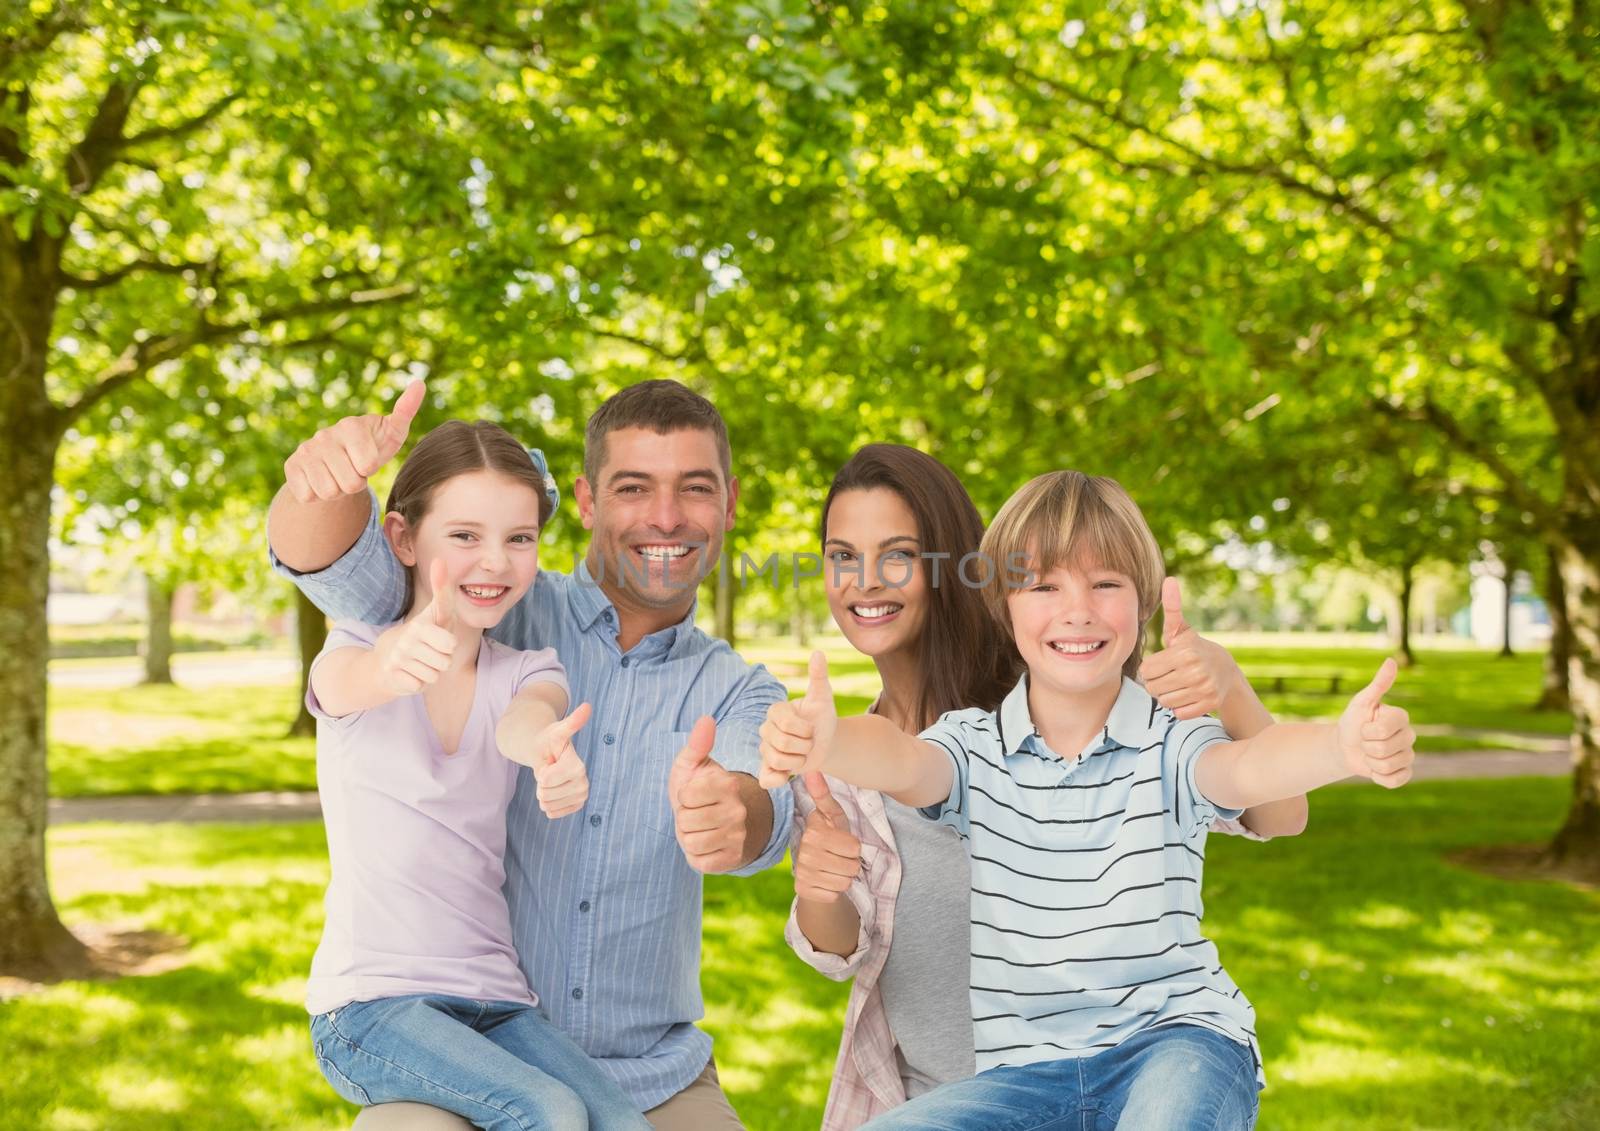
(877, 581)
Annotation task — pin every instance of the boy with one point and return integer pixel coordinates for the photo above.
(1084, 805)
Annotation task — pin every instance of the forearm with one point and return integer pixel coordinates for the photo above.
(833, 927)
(1284, 761)
(534, 708)
(346, 681)
(1243, 715)
(757, 819)
(871, 752)
(311, 536)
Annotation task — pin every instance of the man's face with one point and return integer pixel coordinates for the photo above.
(657, 513)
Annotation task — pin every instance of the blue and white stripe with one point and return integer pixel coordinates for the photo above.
(1086, 873)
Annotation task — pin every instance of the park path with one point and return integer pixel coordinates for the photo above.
(302, 805)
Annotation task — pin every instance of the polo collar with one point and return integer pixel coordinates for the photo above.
(1129, 724)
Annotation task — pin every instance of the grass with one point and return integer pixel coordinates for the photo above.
(230, 739)
(176, 739)
(1394, 988)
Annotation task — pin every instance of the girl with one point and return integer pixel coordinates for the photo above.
(415, 992)
(882, 894)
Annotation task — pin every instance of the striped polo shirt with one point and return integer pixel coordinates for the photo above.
(1086, 880)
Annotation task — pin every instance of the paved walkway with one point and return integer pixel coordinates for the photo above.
(296, 805)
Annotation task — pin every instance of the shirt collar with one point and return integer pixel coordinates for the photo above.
(589, 604)
(1129, 723)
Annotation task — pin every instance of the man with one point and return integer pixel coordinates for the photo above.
(605, 909)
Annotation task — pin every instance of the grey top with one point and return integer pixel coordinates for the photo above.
(926, 976)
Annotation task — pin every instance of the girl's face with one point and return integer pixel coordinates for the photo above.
(877, 583)
(484, 527)
(1075, 627)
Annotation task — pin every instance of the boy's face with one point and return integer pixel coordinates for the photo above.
(1075, 627)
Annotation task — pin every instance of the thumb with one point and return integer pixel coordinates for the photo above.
(697, 750)
(444, 598)
(818, 689)
(574, 722)
(394, 428)
(1172, 623)
(1370, 696)
(817, 787)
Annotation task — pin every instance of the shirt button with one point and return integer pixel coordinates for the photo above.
(584, 906)
(594, 820)
(577, 993)
(610, 738)
(625, 661)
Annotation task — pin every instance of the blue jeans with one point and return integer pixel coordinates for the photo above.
(499, 1064)
(1171, 1078)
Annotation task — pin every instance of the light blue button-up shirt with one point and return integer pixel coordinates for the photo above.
(1086, 871)
(605, 910)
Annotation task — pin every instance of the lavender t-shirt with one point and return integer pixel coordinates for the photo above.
(416, 838)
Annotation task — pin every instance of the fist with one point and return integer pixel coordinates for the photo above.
(828, 857)
(797, 734)
(1191, 675)
(339, 459)
(708, 814)
(416, 652)
(563, 782)
(1375, 738)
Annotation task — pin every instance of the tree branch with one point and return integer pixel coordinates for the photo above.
(183, 128)
(142, 356)
(116, 275)
(88, 160)
(1431, 413)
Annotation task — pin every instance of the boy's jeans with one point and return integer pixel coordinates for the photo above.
(500, 1064)
(1171, 1078)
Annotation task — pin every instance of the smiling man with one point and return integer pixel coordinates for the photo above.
(606, 921)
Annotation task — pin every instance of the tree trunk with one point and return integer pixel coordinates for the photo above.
(1577, 845)
(726, 598)
(158, 631)
(33, 942)
(1407, 585)
(801, 622)
(1505, 637)
(1556, 695)
(311, 629)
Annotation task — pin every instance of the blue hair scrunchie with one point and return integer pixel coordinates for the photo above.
(542, 466)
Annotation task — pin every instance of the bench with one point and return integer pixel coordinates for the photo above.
(1319, 683)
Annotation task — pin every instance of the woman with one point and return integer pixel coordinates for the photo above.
(881, 894)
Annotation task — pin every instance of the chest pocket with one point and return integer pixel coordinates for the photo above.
(647, 801)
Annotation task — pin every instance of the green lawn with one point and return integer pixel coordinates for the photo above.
(231, 739)
(1394, 988)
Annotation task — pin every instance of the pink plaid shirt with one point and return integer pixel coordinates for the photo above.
(866, 1077)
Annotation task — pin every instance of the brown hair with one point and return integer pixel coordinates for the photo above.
(454, 448)
(661, 406)
(1069, 518)
(964, 658)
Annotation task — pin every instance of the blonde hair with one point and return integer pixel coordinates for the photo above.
(1077, 520)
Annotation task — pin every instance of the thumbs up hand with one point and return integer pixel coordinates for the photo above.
(1192, 675)
(1375, 738)
(415, 652)
(708, 814)
(339, 459)
(828, 856)
(562, 780)
(797, 734)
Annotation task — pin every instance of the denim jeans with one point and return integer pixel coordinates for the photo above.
(1171, 1078)
(499, 1064)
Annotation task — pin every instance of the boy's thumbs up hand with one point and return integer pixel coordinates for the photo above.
(797, 734)
(1172, 623)
(1376, 739)
(563, 781)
